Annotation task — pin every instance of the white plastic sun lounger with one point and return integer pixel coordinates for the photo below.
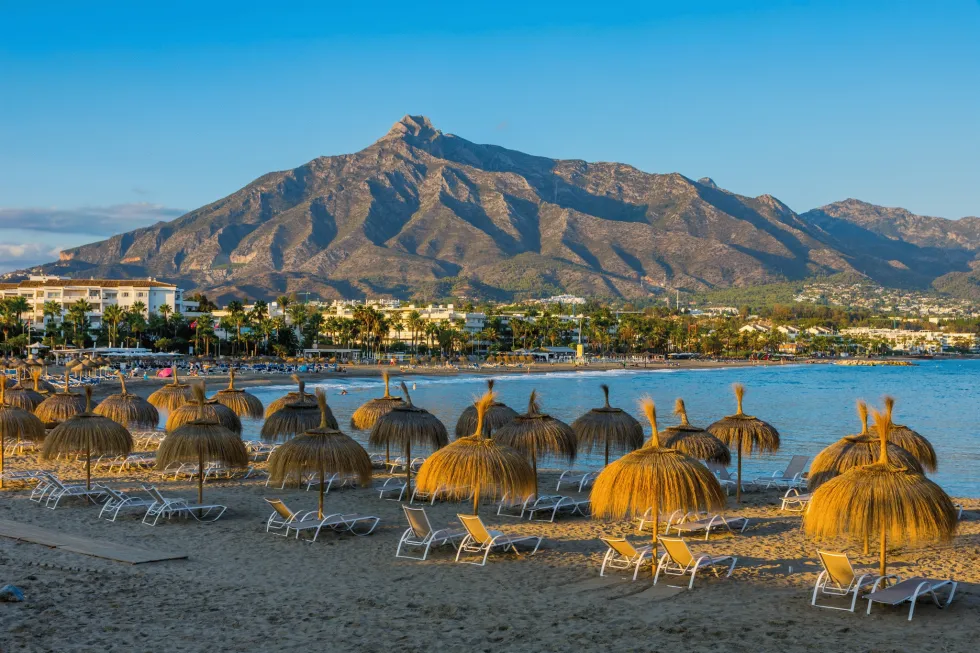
(838, 579)
(420, 534)
(794, 501)
(514, 506)
(118, 500)
(554, 506)
(480, 540)
(623, 555)
(283, 520)
(55, 491)
(574, 477)
(792, 476)
(392, 489)
(168, 507)
(726, 480)
(911, 590)
(679, 560)
(693, 522)
(443, 492)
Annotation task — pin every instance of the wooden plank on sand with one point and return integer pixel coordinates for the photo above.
(84, 545)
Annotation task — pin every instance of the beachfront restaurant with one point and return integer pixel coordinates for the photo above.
(549, 354)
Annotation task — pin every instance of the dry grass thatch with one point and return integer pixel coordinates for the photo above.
(202, 440)
(243, 404)
(297, 416)
(881, 500)
(132, 411)
(213, 411)
(89, 434)
(479, 464)
(695, 442)
(612, 429)
(171, 396)
(16, 423)
(655, 477)
(321, 451)
(855, 451)
(365, 417)
(60, 406)
(497, 415)
(911, 441)
(40, 385)
(300, 396)
(535, 433)
(23, 396)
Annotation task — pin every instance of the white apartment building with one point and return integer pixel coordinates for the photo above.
(99, 293)
(916, 342)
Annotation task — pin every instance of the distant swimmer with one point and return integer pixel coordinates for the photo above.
(413, 386)
(343, 392)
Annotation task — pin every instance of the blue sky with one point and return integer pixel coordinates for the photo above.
(115, 115)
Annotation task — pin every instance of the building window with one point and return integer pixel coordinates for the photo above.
(125, 294)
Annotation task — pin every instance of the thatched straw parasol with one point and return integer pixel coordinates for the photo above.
(301, 397)
(535, 433)
(202, 440)
(405, 425)
(321, 451)
(746, 433)
(369, 413)
(911, 441)
(654, 477)
(132, 411)
(497, 415)
(212, 411)
(24, 396)
(41, 385)
(171, 396)
(90, 434)
(695, 442)
(296, 417)
(60, 406)
(479, 464)
(855, 451)
(613, 428)
(16, 422)
(244, 404)
(884, 500)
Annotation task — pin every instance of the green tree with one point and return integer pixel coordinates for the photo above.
(112, 316)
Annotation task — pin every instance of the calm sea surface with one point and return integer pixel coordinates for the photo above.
(810, 405)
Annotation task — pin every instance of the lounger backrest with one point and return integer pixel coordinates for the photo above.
(418, 521)
(796, 466)
(154, 493)
(281, 508)
(474, 526)
(620, 546)
(720, 471)
(677, 550)
(838, 567)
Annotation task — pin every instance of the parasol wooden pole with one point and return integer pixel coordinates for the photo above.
(408, 469)
(88, 462)
(3, 445)
(881, 559)
(534, 465)
(607, 450)
(476, 501)
(738, 488)
(320, 504)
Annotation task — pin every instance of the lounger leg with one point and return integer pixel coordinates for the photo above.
(605, 560)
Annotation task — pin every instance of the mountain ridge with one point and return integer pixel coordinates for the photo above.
(423, 214)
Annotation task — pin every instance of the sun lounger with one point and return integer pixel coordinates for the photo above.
(911, 590)
(623, 555)
(838, 579)
(54, 491)
(553, 506)
(794, 501)
(168, 507)
(29, 475)
(580, 479)
(283, 520)
(392, 489)
(514, 506)
(693, 522)
(792, 476)
(330, 481)
(421, 534)
(442, 492)
(679, 560)
(480, 540)
(398, 464)
(118, 500)
(726, 480)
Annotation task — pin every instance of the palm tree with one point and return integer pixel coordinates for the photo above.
(139, 307)
(112, 315)
(8, 319)
(283, 301)
(19, 306)
(415, 324)
(165, 312)
(136, 322)
(236, 312)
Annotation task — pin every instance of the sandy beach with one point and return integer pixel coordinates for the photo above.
(241, 589)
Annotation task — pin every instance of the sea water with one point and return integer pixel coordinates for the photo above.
(811, 405)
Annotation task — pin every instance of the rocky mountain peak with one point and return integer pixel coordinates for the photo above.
(708, 181)
(413, 127)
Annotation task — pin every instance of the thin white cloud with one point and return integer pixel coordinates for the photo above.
(14, 256)
(93, 220)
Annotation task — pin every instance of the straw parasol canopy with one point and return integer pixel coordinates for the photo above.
(301, 397)
(746, 433)
(202, 440)
(171, 396)
(497, 415)
(370, 412)
(654, 477)
(479, 464)
(40, 385)
(535, 433)
(243, 404)
(884, 500)
(609, 427)
(405, 425)
(59, 406)
(90, 434)
(23, 396)
(132, 411)
(321, 451)
(212, 410)
(911, 441)
(297, 416)
(855, 451)
(695, 442)
(16, 422)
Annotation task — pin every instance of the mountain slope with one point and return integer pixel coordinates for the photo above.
(420, 212)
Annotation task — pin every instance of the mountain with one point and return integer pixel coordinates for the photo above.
(424, 214)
